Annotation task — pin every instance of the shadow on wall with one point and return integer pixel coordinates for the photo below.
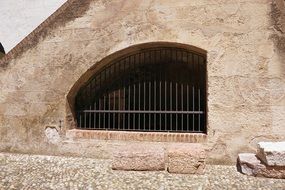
(2, 51)
(278, 21)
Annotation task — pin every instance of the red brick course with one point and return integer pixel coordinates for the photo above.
(137, 136)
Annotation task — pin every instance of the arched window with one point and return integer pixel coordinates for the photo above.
(153, 89)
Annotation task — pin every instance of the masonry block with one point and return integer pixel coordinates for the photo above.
(186, 158)
(139, 158)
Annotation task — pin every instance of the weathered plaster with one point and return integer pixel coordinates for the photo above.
(246, 84)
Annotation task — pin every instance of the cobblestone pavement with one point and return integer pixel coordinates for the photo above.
(19, 171)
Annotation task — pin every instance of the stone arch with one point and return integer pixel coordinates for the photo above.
(83, 80)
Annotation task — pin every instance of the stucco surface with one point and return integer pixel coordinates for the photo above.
(245, 47)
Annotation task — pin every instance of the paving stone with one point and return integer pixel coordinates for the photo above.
(20, 171)
(249, 164)
(186, 159)
(140, 158)
(272, 153)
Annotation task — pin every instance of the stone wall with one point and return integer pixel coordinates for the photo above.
(246, 67)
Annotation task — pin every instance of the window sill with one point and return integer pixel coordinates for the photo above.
(137, 136)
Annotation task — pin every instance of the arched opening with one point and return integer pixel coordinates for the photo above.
(159, 88)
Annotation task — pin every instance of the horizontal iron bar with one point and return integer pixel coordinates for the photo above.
(147, 130)
(141, 111)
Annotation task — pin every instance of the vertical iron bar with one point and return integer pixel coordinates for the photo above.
(90, 86)
(193, 108)
(139, 105)
(171, 105)
(143, 76)
(85, 120)
(165, 106)
(89, 126)
(160, 78)
(129, 98)
(182, 106)
(176, 96)
(198, 86)
(95, 107)
(144, 105)
(119, 121)
(187, 107)
(193, 91)
(99, 115)
(134, 108)
(160, 97)
(104, 115)
(154, 86)
(124, 115)
(199, 115)
(149, 104)
(109, 108)
(187, 95)
(114, 107)
(104, 119)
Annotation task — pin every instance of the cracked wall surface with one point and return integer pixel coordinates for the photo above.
(244, 41)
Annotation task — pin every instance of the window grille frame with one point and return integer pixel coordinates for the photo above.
(97, 108)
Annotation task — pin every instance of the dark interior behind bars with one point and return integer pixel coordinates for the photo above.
(162, 89)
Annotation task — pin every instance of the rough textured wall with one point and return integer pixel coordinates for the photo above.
(246, 66)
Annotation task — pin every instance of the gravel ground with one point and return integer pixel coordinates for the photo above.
(19, 171)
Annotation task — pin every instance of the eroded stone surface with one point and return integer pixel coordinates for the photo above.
(272, 153)
(141, 158)
(188, 159)
(52, 134)
(249, 164)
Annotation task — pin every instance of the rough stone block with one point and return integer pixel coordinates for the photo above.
(139, 158)
(272, 153)
(249, 164)
(186, 159)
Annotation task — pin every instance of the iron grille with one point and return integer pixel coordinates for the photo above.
(159, 89)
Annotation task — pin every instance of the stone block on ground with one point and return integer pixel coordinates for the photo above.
(249, 164)
(186, 158)
(139, 158)
(272, 153)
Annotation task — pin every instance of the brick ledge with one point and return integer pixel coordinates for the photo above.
(136, 136)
